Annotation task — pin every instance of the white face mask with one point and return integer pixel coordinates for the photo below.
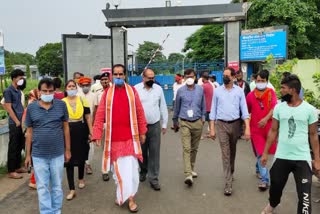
(20, 82)
(261, 85)
(190, 81)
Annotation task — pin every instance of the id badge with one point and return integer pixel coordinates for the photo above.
(190, 113)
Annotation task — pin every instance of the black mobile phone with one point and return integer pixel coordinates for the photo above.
(29, 169)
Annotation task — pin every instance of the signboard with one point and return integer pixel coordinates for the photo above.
(234, 65)
(2, 66)
(257, 46)
(87, 54)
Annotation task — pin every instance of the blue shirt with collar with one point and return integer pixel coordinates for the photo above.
(13, 96)
(189, 99)
(47, 128)
(228, 105)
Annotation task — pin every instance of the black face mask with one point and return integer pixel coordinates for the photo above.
(226, 80)
(150, 83)
(286, 98)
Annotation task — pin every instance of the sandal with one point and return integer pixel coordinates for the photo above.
(263, 186)
(133, 207)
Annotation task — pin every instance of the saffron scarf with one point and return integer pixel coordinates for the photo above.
(133, 123)
(264, 97)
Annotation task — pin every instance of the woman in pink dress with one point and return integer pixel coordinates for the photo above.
(261, 102)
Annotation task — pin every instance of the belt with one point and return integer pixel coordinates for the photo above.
(190, 121)
(231, 121)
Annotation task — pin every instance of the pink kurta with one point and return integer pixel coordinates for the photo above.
(259, 109)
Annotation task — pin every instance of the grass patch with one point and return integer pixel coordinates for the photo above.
(3, 171)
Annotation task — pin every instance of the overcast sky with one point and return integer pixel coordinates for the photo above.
(29, 24)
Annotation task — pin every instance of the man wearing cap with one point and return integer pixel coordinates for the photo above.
(105, 82)
(85, 85)
(176, 85)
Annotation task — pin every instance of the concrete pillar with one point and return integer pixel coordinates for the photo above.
(119, 46)
(232, 31)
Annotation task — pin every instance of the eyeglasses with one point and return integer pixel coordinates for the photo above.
(189, 77)
(118, 74)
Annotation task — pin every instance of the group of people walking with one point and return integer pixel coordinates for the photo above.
(128, 121)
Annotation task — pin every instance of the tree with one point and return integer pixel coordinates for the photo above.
(175, 57)
(302, 17)
(49, 59)
(206, 44)
(146, 51)
(28, 72)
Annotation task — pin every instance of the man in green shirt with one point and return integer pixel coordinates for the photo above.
(295, 122)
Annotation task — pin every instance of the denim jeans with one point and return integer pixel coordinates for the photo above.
(49, 174)
(263, 171)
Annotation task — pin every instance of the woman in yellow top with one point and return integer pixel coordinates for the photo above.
(80, 133)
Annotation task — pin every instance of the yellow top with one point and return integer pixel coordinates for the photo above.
(80, 104)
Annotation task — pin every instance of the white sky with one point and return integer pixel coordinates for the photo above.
(29, 24)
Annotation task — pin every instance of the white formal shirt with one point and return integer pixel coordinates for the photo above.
(90, 97)
(175, 88)
(154, 104)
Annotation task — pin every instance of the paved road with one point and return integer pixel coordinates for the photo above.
(205, 197)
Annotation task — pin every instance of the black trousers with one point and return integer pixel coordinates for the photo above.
(303, 177)
(70, 173)
(16, 144)
(151, 153)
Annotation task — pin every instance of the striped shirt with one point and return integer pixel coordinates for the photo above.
(47, 128)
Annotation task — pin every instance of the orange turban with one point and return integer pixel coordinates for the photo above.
(84, 80)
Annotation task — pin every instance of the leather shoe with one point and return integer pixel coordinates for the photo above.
(143, 177)
(155, 186)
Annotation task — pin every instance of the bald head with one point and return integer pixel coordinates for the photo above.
(148, 77)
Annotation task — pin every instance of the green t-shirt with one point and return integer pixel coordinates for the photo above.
(293, 141)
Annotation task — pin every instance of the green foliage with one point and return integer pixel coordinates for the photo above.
(17, 58)
(3, 114)
(206, 44)
(310, 96)
(28, 72)
(277, 71)
(146, 51)
(175, 57)
(49, 59)
(303, 20)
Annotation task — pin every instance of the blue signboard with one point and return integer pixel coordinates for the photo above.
(259, 46)
(2, 67)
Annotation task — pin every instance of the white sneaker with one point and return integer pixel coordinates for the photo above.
(194, 174)
(268, 210)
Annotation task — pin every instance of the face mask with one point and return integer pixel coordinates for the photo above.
(226, 80)
(72, 93)
(118, 81)
(190, 81)
(286, 98)
(20, 82)
(150, 83)
(261, 85)
(47, 98)
(86, 89)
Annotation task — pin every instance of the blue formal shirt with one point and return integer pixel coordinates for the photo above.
(189, 99)
(228, 105)
(47, 128)
(154, 104)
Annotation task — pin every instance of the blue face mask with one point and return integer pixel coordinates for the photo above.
(72, 93)
(47, 98)
(118, 81)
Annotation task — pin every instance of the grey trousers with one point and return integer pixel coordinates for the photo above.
(151, 153)
(228, 134)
